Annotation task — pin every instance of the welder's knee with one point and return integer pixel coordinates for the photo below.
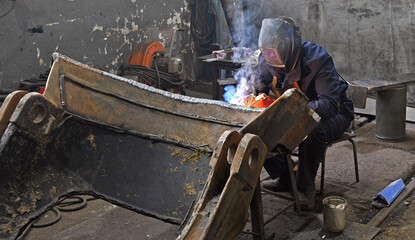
(319, 133)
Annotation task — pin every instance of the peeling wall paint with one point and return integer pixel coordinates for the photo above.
(98, 33)
(176, 19)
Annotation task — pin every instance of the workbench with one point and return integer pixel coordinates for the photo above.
(390, 103)
(221, 64)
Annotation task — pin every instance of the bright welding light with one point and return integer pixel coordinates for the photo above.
(244, 78)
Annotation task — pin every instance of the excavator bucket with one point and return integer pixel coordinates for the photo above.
(142, 148)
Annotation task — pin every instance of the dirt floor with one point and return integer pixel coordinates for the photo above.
(401, 223)
(103, 220)
(380, 163)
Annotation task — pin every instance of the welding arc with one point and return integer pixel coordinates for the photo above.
(153, 77)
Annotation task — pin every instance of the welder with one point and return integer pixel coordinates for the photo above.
(289, 61)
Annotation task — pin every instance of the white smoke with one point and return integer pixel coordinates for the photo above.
(247, 17)
(245, 77)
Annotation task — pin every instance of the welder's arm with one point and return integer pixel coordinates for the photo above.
(263, 77)
(327, 85)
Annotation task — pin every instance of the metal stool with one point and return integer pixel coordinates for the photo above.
(346, 136)
(293, 188)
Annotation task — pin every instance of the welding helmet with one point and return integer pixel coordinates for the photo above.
(280, 43)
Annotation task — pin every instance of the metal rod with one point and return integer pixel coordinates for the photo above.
(257, 214)
(276, 194)
(251, 233)
(293, 184)
(262, 98)
(279, 213)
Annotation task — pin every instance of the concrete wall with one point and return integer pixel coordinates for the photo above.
(101, 33)
(367, 39)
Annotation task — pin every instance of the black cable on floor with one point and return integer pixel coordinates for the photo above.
(58, 217)
(77, 203)
(65, 206)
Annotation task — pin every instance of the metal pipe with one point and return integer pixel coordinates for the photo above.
(391, 114)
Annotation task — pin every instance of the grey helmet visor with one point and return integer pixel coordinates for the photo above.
(280, 44)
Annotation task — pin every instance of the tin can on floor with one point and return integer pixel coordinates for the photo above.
(334, 213)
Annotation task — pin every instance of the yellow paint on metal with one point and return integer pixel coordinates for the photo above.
(201, 182)
(53, 192)
(173, 170)
(91, 139)
(4, 228)
(189, 189)
(23, 209)
(192, 158)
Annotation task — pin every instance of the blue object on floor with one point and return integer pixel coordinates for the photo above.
(389, 193)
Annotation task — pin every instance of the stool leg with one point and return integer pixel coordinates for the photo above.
(323, 170)
(257, 217)
(293, 184)
(356, 167)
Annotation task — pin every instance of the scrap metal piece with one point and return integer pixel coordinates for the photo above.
(97, 133)
(222, 211)
(285, 123)
(122, 103)
(150, 175)
(7, 108)
(388, 194)
(37, 116)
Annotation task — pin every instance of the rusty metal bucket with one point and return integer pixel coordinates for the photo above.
(334, 213)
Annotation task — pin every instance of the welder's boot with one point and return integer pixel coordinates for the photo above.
(307, 199)
(282, 184)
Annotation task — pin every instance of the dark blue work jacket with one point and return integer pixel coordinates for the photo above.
(316, 77)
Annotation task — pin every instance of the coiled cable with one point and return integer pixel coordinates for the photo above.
(67, 204)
